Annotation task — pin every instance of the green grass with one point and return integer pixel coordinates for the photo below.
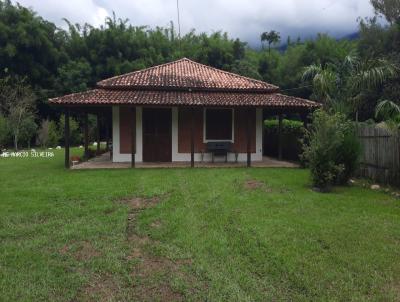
(281, 241)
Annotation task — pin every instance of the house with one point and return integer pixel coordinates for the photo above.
(172, 112)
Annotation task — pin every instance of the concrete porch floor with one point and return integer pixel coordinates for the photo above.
(104, 162)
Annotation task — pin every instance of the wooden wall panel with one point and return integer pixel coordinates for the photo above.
(240, 130)
(184, 130)
(126, 118)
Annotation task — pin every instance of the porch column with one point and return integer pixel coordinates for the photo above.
(107, 132)
(66, 138)
(133, 136)
(86, 135)
(280, 136)
(192, 137)
(248, 135)
(98, 134)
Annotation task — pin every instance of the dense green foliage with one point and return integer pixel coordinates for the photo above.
(56, 61)
(341, 86)
(331, 149)
(288, 126)
(64, 236)
(4, 133)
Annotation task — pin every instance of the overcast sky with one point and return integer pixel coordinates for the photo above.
(244, 19)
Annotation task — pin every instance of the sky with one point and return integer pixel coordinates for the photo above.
(244, 19)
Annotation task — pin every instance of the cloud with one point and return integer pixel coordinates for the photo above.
(240, 18)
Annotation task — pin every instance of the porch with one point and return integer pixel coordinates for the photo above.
(104, 162)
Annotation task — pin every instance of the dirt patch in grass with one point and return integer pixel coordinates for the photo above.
(64, 250)
(156, 224)
(86, 251)
(100, 288)
(139, 240)
(136, 205)
(135, 254)
(152, 274)
(141, 202)
(157, 293)
(253, 184)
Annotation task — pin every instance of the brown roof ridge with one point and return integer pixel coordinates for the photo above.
(105, 83)
(141, 70)
(231, 73)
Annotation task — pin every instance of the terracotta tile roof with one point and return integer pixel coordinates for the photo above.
(185, 74)
(182, 98)
(184, 83)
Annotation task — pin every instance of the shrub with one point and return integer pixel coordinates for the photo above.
(5, 135)
(75, 133)
(288, 126)
(27, 130)
(331, 149)
(48, 135)
(54, 135)
(43, 134)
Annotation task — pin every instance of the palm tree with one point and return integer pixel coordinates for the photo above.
(340, 86)
(389, 112)
(273, 37)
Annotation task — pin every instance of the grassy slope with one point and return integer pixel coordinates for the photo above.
(278, 242)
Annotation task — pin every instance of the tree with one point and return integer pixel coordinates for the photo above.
(272, 37)
(238, 49)
(54, 135)
(390, 9)
(48, 134)
(340, 86)
(4, 132)
(75, 132)
(27, 130)
(246, 68)
(17, 100)
(74, 76)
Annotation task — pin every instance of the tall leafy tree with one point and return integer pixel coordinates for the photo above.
(272, 37)
(17, 100)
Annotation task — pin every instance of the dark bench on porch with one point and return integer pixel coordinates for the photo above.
(219, 149)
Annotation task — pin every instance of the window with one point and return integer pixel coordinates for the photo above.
(218, 124)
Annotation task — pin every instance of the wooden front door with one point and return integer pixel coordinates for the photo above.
(157, 135)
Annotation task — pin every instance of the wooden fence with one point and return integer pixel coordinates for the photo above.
(380, 158)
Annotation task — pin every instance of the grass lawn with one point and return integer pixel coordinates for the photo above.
(191, 234)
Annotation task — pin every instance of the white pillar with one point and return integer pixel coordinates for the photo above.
(175, 155)
(115, 136)
(139, 135)
(259, 134)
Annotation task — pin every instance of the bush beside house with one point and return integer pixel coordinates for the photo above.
(331, 149)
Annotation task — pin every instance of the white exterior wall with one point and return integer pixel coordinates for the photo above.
(176, 156)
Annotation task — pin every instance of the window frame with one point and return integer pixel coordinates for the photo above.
(205, 140)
